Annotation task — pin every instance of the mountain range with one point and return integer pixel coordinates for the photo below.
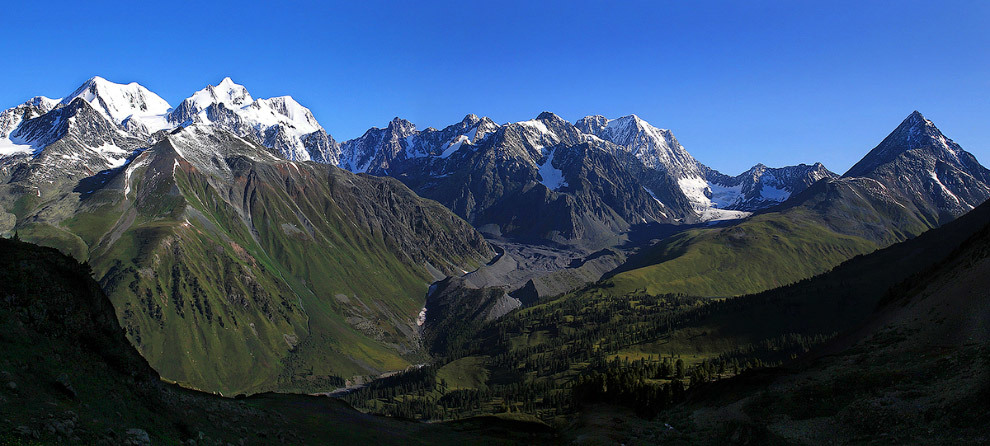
(238, 228)
(476, 167)
(525, 269)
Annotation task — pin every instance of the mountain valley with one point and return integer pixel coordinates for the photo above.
(502, 282)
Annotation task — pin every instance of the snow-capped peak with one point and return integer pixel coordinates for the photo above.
(280, 123)
(226, 92)
(284, 110)
(123, 102)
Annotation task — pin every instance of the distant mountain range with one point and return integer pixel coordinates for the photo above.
(628, 173)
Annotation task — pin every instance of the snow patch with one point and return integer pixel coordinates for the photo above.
(768, 192)
(536, 125)
(115, 156)
(657, 200)
(946, 190)
(652, 194)
(455, 145)
(551, 177)
(8, 148)
(130, 170)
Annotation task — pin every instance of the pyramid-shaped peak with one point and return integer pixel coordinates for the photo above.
(914, 132)
(471, 119)
(916, 120)
(916, 129)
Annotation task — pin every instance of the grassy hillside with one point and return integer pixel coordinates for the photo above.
(70, 376)
(826, 224)
(763, 252)
(259, 275)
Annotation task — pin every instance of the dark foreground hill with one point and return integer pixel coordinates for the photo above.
(70, 376)
(910, 364)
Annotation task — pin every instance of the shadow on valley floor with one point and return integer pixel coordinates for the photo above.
(644, 236)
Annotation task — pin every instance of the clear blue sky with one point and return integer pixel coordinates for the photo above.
(778, 82)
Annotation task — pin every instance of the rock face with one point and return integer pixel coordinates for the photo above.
(70, 142)
(918, 165)
(656, 149)
(541, 179)
(762, 187)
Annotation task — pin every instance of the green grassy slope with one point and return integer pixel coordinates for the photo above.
(262, 275)
(70, 376)
(763, 252)
(829, 303)
(823, 226)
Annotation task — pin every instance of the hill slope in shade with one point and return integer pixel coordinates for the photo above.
(70, 376)
(917, 369)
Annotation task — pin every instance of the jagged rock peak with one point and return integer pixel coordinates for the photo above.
(470, 119)
(549, 117)
(592, 125)
(401, 126)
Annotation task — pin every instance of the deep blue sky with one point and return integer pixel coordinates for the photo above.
(778, 82)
